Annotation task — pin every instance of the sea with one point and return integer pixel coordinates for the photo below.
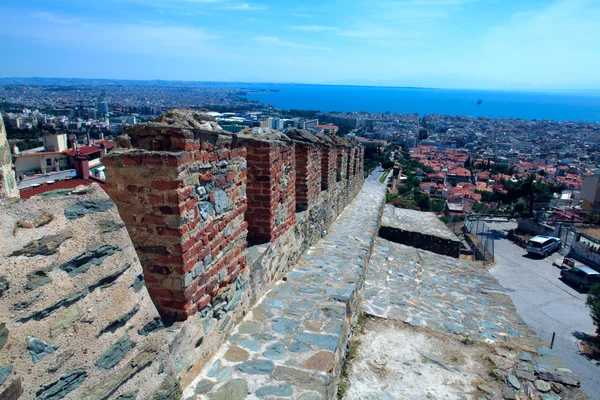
(558, 106)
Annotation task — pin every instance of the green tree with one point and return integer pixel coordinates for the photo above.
(520, 207)
(593, 303)
(437, 205)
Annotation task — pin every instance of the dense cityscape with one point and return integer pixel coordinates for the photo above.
(462, 161)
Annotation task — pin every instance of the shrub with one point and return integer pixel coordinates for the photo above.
(593, 302)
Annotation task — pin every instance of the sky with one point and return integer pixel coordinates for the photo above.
(483, 44)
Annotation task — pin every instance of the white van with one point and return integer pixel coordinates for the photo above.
(543, 245)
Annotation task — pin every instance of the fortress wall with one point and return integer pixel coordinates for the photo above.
(192, 196)
(308, 174)
(76, 320)
(98, 301)
(183, 201)
(270, 189)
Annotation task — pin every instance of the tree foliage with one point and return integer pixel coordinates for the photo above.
(593, 303)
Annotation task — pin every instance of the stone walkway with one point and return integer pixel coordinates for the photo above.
(291, 344)
(442, 293)
(451, 296)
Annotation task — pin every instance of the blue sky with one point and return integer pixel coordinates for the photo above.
(496, 44)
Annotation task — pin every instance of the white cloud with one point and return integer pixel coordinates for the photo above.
(275, 41)
(315, 28)
(244, 7)
(556, 45)
(49, 17)
(143, 38)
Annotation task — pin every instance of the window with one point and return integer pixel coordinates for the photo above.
(48, 162)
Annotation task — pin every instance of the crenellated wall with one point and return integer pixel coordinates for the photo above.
(195, 197)
(183, 201)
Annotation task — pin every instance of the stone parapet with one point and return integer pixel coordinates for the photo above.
(182, 197)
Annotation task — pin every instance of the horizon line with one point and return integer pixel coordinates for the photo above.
(291, 83)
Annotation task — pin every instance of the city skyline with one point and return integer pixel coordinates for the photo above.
(540, 45)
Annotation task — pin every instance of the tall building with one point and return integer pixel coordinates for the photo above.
(103, 108)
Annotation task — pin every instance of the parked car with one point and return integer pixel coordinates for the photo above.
(543, 245)
(583, 277)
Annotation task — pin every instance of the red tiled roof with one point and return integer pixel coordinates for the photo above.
(85, 150)
(66, 184)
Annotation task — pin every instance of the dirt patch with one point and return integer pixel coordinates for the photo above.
(591, 348)
(595, 232)
(396, 361)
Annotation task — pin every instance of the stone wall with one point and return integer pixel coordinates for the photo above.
(585, 250)
(270, 187)
(418, 229)
(193, 197)
(421, 241)
(8, 184)
(183, 201)
(76, 320)
(535, 228)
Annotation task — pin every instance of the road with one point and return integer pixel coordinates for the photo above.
(546, 303)
(376, 174)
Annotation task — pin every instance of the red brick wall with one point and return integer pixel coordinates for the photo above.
(308, 174)
(328, 167)
(351, 162)
(342, 161)
(184, 209)
(271, 189)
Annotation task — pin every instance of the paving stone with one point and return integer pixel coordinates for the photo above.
(304, 319)
(284, 325)
(565, 378)
(236, 354)
(252, 345)
(284, 390)
(525, 375)
(235, 389)
(322, 361)
(204, 387)
(322, 341)
(542, 386)
(256, 367)
(514, 381)
(275, 352)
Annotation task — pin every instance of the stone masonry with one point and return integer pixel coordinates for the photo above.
(308, 167)
(328, 165)
(8, 184)
(181, 193)
(418, 229)
(271, 185)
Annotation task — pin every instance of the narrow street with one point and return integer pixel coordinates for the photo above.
(546, 303)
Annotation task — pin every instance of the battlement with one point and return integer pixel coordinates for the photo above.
(193, 196)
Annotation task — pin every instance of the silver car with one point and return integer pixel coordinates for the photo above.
(543, 245)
